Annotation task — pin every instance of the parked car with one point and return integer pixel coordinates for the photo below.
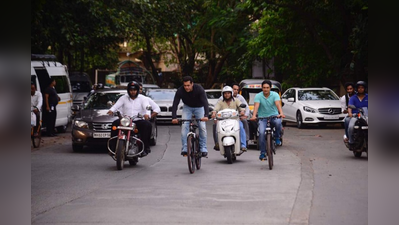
(92, 125)
(213, 96)
(164, 98)
(81, 86)
(312, 106)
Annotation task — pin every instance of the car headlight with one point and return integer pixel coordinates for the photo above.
(81, 124)
(309, 109)
(125, 121)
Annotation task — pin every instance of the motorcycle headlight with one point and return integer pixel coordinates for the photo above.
(125, 121)
(81, 124)
(309, 109)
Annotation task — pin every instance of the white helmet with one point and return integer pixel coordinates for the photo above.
(227, 88)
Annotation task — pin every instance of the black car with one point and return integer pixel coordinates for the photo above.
(92, 125)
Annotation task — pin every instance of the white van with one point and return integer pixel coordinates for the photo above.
(44, 67)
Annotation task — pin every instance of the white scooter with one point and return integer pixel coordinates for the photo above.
(228, 132)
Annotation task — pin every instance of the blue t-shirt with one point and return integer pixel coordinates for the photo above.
(354, 100)
(267, 106)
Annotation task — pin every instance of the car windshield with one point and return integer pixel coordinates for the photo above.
(161, 95)
(249, 94)
(308, 95)
(213, 94)
(100, 100)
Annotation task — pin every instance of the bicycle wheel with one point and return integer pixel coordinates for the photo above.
(191, 153)
(198, 155)
(36, 139)
(269, 150)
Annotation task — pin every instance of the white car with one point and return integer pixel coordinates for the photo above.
(213, 96)
(312, 106)
(164, 99)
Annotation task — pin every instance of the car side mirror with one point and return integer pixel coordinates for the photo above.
(291, 100)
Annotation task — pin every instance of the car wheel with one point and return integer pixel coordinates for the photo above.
(77, 148)
(299, 121)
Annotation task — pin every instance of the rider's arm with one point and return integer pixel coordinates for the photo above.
(279, 108)
(117, 105)
(255, 112)
(204, 100)
(176, 102)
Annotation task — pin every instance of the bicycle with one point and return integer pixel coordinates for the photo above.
(270, 140)
(36, 137)
(194, 154)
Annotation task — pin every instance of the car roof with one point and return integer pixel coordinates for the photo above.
(111, 90)
(161, 90)
(311, 88)
(215, 90)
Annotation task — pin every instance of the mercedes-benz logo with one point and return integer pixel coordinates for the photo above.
(331, 111)
(104, 126)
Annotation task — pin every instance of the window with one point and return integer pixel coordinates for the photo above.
(62, 84)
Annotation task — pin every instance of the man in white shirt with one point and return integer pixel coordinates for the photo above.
(350, 91)
(36, 103)
(132, 104)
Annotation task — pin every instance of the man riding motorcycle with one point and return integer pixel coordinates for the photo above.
(359, 100)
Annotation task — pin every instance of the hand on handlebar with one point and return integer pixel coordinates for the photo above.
(280, 116)
(175, 121)
(205, 118)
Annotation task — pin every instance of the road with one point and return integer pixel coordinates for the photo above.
(315, 180)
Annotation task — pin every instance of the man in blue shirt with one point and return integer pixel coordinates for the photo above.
(266, 104)
(359, 100)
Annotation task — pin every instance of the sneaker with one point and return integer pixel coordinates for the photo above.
(278, 142)
(262, 157)
(184, 154)
(204, 154)
(244, 149)
(216, 147)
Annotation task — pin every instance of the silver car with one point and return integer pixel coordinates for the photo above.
(164, 99)
(92, 125)
(213, 96)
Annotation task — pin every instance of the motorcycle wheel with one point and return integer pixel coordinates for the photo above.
(228, 153)
(120, 154)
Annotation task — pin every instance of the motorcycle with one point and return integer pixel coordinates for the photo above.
(228, 130)
(360, 133)
(129, 146)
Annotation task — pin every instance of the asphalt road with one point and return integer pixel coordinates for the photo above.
(315, 180)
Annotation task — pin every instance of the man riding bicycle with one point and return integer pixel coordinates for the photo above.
(266, 104)
(195, 103)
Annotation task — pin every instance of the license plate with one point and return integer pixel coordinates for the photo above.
(101, 135)
(332, 117)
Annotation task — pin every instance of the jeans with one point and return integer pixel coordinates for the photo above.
(350, 129)
(243, 136)
(276, 123)
(186, 114)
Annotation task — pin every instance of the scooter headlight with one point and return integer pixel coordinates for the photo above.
(125, 121)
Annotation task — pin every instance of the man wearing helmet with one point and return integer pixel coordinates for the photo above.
(132, 104)
(267, 103)
(229, 102)
(359, 100)
(195, 103)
